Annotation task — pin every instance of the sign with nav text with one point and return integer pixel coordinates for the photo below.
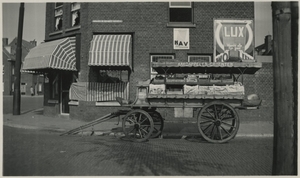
(233, 41)
(181, 38)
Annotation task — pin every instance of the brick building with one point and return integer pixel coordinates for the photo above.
(135, 34)
(27, 79)
(266, 48)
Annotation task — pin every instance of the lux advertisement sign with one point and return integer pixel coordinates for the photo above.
(181, 38)
(233, 41)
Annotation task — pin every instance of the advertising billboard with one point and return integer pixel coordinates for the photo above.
(233, 41)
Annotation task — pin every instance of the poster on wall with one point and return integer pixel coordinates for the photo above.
(181, 38)
(233, 41)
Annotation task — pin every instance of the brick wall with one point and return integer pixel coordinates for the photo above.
(262, 84)
(147, 23)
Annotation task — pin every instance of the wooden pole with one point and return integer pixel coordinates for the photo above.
(284, 106)
(17, 79)
(295, 38)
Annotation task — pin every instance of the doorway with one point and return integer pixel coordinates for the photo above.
(66, 81)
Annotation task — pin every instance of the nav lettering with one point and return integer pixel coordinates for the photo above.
(233, 32)
(181, 43)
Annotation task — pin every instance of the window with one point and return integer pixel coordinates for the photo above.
(111, 84)
(180, 12)
(199, 58)
(75, 13)
(113, 76)
(58, 15)
(154, 58)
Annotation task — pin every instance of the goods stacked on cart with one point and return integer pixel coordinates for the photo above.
(196, 84)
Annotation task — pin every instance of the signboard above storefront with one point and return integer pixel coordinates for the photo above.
(181, 38)
(233, 41)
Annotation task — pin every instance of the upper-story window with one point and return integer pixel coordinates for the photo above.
(58, 15)
(180, 12)
(75, 12)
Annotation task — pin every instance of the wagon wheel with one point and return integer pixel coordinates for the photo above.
(138, 125)
(218, 122)
(158, 124)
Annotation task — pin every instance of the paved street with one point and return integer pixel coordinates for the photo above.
(28, 103)
(42, 153)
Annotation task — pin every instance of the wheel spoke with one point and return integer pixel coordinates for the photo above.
(210, 114)
(225, 130)
(134, 133)
(226, 118)
(131, 120)
(205, 122)
(204, 130)
(141, 135)
(143, 121)
(212, 132)
(228, 124)
(218, 128)
(131, 130)
(207, 117)
(144, 131)
(146, 125)
(215, 111)
(226, 111)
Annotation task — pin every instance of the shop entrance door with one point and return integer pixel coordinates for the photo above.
(66, 81)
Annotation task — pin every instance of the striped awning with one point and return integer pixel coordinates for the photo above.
(110, 50)
(58, 54)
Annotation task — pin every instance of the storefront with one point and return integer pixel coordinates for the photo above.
(56, 60)
(95, 52)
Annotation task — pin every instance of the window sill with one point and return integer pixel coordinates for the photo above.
(181, 25)
(73, 103)
(109, 103)
(53, 101)
(56, 33)
(73, 28)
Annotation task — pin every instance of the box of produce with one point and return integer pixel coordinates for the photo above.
(157, 89)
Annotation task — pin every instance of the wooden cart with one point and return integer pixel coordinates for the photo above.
(190, 85)
(216, 116)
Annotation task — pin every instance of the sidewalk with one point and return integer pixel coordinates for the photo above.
(36, 120)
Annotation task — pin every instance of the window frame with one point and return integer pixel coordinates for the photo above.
(199, 55)
(73, 10)
(152, 72)
(181, 24)
(57, 15)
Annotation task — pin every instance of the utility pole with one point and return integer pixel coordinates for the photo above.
(285, 104)
(17, 78)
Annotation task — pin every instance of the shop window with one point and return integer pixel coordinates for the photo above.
(154, 58)
(111, 84)
(75, 13)
(199, 58)
(180, 12)
(113, 76)
(58, 15)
